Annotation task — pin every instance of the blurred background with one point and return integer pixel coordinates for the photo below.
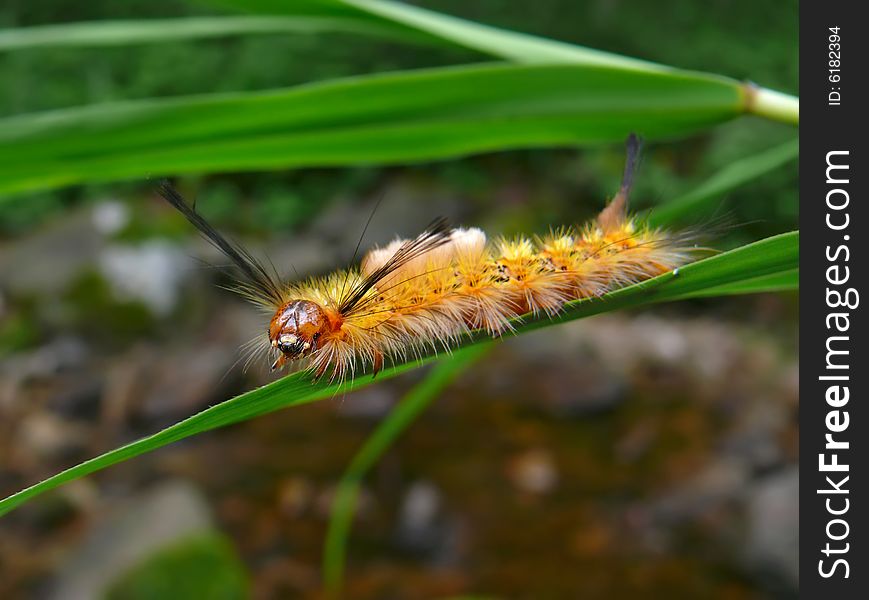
(647, 452)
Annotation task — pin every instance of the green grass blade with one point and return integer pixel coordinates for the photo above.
(767, 257)
(509, 45)
(702, 199)
(394, 118)
(409, 19)
(782, 281)
(387, 432)
(523, 48)
(145, 31)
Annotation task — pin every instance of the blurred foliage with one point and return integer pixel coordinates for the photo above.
(27, 215)
(204, 566)
(734, 37)
(18, 331)
(745, 40)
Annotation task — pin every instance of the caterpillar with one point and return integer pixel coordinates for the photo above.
(425, 293)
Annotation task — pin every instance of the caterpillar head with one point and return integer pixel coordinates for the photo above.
(295, 329)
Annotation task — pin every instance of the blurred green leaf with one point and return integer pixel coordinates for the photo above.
(17, 332)
(125, 33)
(203, 566)
(728, 271)
(395, 118)
(701, 199)
(510, 45)
(571, 95)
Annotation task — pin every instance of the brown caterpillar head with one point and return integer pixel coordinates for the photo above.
(295, 329)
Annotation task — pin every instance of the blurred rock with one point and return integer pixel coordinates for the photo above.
(151, 273)
(580, 391)
(295, 495)
(774, 526)
(720, 481)
(548, 374)
(371, 403)
(127, 535)
(186, 379)
(43, 436)
(77, 397)
(110, 217)
(636, 442)
(704, 348)
(533, 471)
(755, 436)
(64, 353)
(419, 520)
(54, 256)
(82, 494)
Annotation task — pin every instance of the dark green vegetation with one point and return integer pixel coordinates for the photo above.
(719, 38)
(203, 566)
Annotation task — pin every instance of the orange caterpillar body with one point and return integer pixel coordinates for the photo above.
(425, 293)
(463, 284)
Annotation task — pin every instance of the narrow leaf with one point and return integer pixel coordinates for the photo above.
(781, 281)
(510, 45)
(395, 118)
(500, 43)
(702, 199)
(144, 31)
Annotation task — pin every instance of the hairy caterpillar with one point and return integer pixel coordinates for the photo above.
(428, 291)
